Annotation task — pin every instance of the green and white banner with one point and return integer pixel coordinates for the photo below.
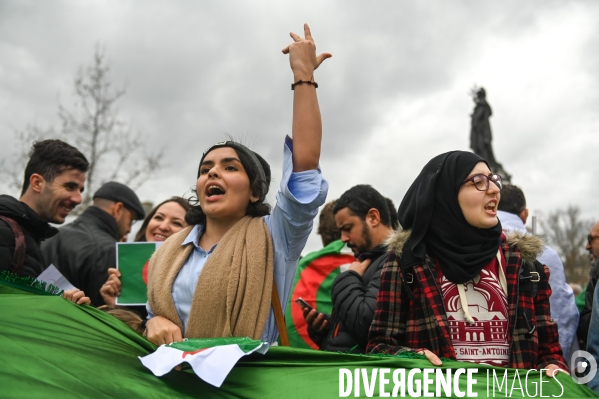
(53, 348)
(132, 262)
(210, 358)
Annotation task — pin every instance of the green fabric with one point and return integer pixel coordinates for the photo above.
(131, 258)
(28, 284)
(324, 302)
(52, 348)
(322, 296)
(580, 299)
(334, 247)
(246, 344)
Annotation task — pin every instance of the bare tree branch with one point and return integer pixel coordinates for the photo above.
(566, 232)
(93, 125)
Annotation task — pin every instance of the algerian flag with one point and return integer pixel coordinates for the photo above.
(52, 348)
(132, 262)
(211, 358)
(313, 283)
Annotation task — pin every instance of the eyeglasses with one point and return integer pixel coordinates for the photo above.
(591, 238)
(481, 181)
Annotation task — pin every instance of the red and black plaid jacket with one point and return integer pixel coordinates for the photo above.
(418, 321)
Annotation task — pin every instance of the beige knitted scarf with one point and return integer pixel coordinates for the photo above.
(233, 294)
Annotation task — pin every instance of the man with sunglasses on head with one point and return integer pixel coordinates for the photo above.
(512, 214)
(585, 316)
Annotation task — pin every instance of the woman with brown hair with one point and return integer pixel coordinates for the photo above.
(164, 220)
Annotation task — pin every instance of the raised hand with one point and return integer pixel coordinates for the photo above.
(302, 55)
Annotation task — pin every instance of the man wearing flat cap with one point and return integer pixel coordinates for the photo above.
(84, 249)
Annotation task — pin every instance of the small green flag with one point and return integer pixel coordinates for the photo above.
(132, 262)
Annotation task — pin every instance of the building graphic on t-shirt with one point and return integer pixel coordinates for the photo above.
(484, 341)
(490, 331)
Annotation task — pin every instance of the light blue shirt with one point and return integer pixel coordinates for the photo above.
(299, 197)
(562, 302)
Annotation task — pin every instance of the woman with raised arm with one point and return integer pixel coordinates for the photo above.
(217, 277)
(454, 285)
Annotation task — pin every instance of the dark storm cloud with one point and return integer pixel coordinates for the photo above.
(396, 87)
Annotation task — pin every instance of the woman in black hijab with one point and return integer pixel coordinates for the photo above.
(455, 286)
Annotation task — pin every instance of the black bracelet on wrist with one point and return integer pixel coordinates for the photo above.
(299, 82)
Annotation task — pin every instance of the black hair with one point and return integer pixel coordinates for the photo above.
(258, 186)
(512, 200)
(141, 234)
(360, 199)
(49, 158)
(327, 227)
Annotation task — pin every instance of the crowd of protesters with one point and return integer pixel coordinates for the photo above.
(452, 274)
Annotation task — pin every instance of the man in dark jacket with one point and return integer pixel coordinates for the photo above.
(85, 249)
(54, 180)
(363, 217)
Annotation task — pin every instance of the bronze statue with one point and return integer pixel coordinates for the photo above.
(480, 132)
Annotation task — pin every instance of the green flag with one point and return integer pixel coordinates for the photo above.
(313, 283)
(52, 348)
(132, 262)
(210, 358)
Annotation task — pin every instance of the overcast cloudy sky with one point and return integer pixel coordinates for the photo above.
(394, 95)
